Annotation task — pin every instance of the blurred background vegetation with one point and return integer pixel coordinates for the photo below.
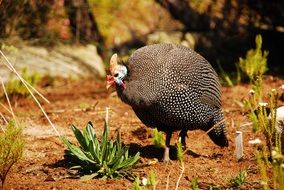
(221, 30)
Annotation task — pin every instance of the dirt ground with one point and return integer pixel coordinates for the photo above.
(77, 102)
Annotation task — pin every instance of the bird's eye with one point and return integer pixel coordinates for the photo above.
(116, 75)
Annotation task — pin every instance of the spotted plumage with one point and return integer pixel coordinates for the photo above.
(172, 88)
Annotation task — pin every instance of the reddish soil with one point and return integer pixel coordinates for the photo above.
(77, 102)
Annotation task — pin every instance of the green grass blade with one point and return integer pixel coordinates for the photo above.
(88, 177)
(80, 137)
(105, 142)
(118, 155)
(94, 154)
(130, 161)
(74, 150)
(91, 132)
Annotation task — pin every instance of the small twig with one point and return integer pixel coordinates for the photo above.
(180, 176)
(8, 100)
(3, 117)
(247, 124)
(4, 121)
(44, 113)
(9, 103)
(56, 111)
(5, 108)
(168, 177)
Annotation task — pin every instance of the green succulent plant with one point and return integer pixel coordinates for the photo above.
(103, 159)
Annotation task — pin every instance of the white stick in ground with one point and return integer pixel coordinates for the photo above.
(239, 145)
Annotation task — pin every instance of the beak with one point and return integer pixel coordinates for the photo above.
(110, 81)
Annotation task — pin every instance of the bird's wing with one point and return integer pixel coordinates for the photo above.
(210, 85)
(195, 72)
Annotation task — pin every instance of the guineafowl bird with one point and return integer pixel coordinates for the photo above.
(171, 88)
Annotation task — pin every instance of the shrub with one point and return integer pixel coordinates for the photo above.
(11, 149)
(255, 63)
(263, 117)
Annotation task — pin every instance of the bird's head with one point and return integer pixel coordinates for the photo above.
(219, 138)
(218, 134)
(118, 73)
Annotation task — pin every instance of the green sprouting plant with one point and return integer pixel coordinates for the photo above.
(254, 66)
(180, 155)
(262, 162)
(179, 151)
(263, 117)
(152, 179)
(136, 184)
(240, 179)
(158, 138)
(15, 87)
(278, 169)
(105, 158)
(11, 149)
(147, 183)
(194, 184)
(255, 63)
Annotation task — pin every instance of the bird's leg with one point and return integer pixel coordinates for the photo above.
(183, 135)
(167, 148)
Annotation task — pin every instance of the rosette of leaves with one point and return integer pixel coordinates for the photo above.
(102, 159)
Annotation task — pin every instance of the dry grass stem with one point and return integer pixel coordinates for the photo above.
(5, 108)
(6, 122)
(8, 100)
(247, 124)
(4, 119)
(44, 113)
(27, 85)
(180, 176)
(168, 176)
